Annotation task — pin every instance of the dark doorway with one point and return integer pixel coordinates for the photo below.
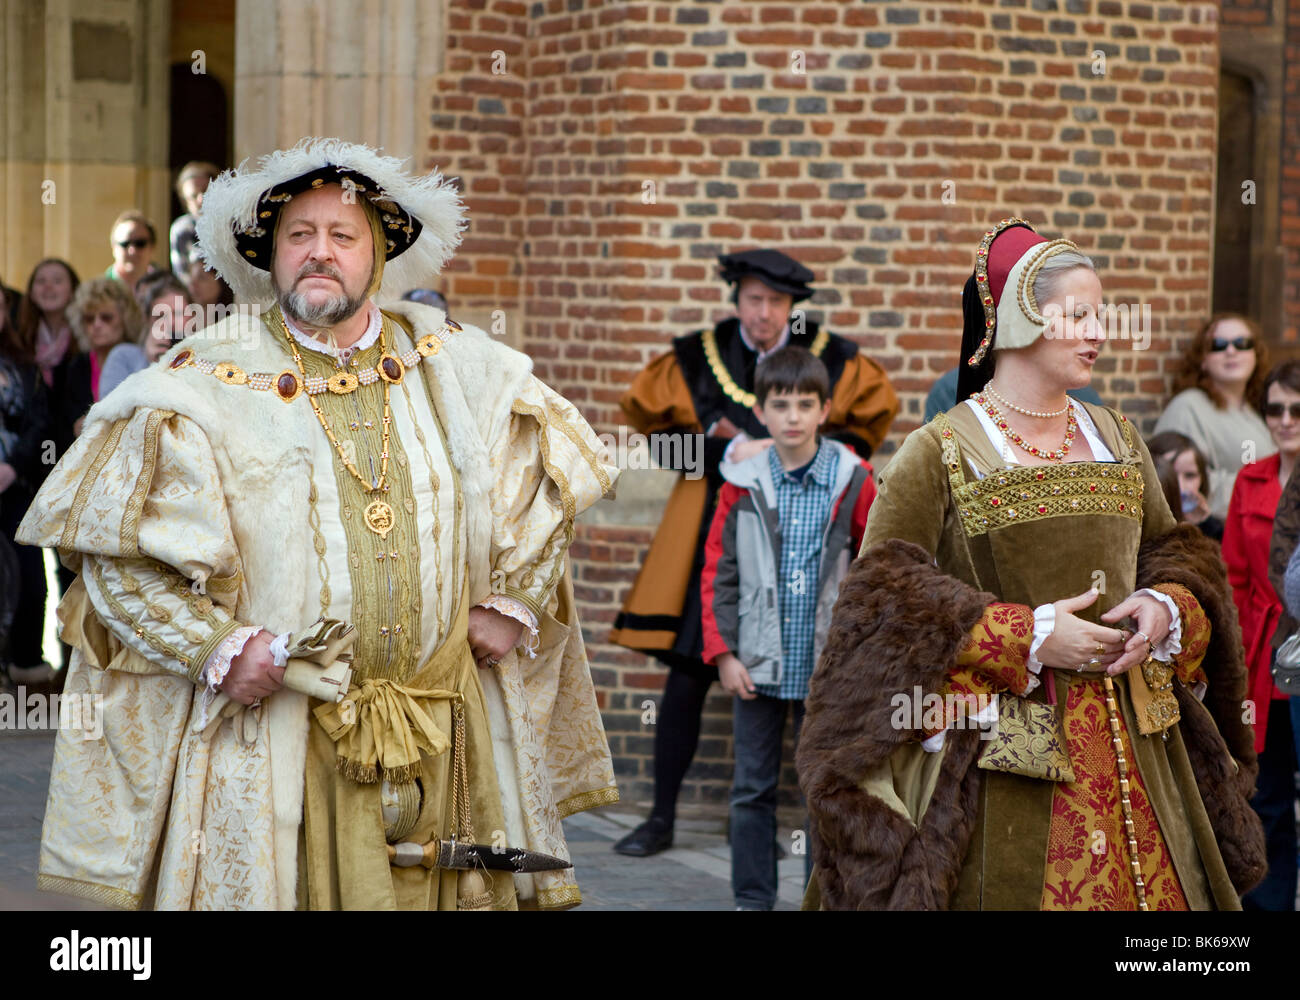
(1236, 195)
(198, 122)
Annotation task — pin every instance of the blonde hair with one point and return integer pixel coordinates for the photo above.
(92, 293)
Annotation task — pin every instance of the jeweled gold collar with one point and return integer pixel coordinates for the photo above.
(728, 384)
(289, 384)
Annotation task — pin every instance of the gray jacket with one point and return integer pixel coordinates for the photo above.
(739, 585)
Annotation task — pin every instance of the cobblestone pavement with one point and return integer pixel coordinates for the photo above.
(695, 874)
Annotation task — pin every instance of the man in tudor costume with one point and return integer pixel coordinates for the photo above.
(705, 384)
(982, 731)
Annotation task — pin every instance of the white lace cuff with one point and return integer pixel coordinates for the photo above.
(218, 665)
(1044, 625)
(518, 610)
(1173, 643)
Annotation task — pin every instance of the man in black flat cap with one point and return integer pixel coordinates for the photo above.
(705, 384)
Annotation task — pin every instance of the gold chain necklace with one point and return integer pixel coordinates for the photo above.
(728, 384)
(378, 515)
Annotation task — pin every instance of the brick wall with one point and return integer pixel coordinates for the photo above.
(1246, 13)
(625, 146)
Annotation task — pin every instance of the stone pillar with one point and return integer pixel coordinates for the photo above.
(357, 71)
(83, 128)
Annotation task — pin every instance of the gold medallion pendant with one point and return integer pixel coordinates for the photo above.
(379, 518)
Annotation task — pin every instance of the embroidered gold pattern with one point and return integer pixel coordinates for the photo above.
(130, 531)
(318, 543)
(392, 655)
(68, 539)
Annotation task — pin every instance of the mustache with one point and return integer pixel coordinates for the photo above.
(310, 269)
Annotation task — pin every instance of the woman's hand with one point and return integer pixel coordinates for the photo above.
(1153, 625)
(1079, 645)
(1198, 513)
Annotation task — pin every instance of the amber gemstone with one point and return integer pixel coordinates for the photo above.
(391, 368)
(286, 385)
(181, 358)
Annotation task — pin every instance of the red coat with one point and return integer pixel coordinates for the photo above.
(1246, 536)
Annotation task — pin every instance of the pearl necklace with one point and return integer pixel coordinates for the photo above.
(1028, 413)
(1001, 422)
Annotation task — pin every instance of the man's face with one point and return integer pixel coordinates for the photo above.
(166, 325)
(323, 258)
(192, 192)
(792, 418)
(132, 248)
(763, 311)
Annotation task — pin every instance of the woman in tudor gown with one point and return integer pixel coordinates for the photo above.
(1079, 742)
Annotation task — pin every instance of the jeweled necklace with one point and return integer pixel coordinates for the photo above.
(378, 515)
(1001, 422)
(1028, 413)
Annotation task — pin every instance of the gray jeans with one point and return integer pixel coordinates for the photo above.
(757, 731)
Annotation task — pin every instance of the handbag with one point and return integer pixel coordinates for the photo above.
(1286, 665)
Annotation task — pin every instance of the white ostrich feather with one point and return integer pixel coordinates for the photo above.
(231, 200)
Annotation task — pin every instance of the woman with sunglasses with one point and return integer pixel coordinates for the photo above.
(103, 314)
(1217, 392)
(1246, 539)
(133, 240)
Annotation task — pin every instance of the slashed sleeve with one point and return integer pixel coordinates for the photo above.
(549, 467)
(137, 506)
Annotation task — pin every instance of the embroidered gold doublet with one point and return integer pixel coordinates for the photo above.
(384, 569)
(1015, 495)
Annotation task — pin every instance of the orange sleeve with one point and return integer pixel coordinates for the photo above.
(1196, 634)
(863, 402)
(994, 659)
(658, 399)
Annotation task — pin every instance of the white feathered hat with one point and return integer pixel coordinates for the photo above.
(422, 216)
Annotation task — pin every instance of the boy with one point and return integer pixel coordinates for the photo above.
(789, 520)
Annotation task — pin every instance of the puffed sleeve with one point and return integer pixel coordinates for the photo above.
(658, 399)
(550, 466)
(863, 405)
(137, 507)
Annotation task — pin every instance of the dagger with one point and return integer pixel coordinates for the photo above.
(459, 856)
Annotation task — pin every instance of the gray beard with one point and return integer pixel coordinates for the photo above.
(330, 312)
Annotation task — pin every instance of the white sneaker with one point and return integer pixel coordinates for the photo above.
(42, 673)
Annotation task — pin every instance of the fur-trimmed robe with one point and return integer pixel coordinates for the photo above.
(899, 622)
(144, 784)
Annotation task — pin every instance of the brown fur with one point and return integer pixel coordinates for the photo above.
(898, 622)
(1220, 746)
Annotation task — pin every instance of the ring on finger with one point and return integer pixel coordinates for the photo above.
(1145, 638)
(1099, 649)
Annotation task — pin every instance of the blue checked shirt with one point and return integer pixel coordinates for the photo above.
(803, 506)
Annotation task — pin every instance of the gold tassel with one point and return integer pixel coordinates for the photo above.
(472, 891)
